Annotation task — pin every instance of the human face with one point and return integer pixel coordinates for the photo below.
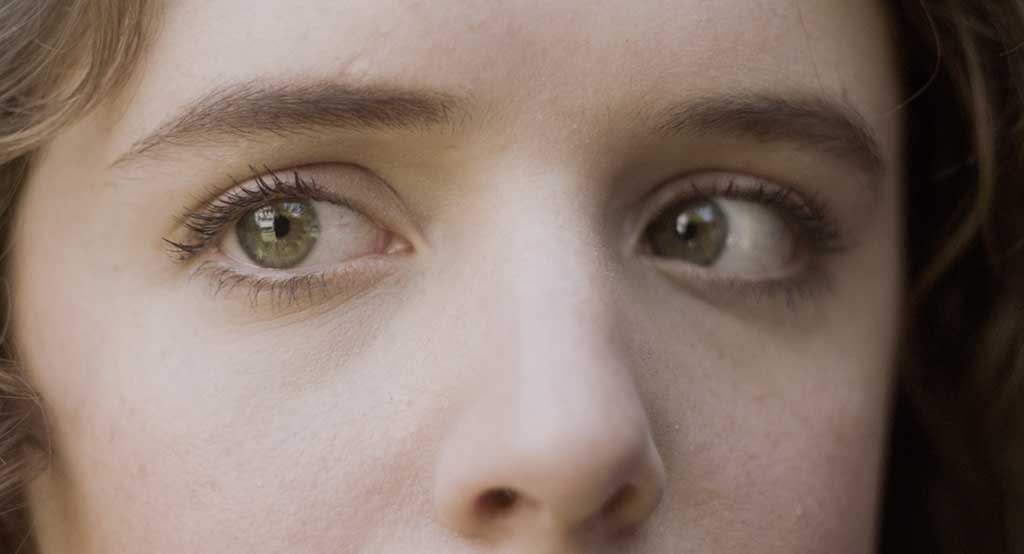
(517, 276)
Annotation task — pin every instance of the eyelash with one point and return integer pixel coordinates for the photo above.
(281, 291)
(807, 212)
(810, 217)
(205, 224)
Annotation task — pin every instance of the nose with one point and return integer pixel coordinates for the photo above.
(544, 475)
(555, 444)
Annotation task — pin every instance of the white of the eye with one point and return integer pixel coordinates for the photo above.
(760, 243)
(345, 234)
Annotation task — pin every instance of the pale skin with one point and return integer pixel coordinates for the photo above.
(491, 360)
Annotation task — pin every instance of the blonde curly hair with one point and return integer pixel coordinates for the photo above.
(58, 59)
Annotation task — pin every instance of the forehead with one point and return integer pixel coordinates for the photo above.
(576, 54)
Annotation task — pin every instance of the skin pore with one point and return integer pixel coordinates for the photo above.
(482, 351)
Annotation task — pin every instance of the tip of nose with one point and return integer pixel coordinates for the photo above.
(605, 487)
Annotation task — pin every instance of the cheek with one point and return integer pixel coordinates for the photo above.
(164, 416)
(246, 446)
(171, 410)
(769, 446)
(796, 469)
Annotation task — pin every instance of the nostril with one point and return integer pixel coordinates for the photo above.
(496, 502)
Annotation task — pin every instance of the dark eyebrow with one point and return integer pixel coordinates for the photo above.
(251, 110)
(818, 123)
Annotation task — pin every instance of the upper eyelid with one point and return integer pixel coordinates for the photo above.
(276, 187)
(695, 185)
(265, 179)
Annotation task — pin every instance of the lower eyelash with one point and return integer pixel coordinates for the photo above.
(793, 292)
(280, 292)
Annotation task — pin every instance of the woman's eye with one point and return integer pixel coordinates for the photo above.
(738, 237)
(287, 233)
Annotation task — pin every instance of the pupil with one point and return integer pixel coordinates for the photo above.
(686, 228)
(281, 226)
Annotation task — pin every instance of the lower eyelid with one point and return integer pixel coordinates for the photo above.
(737, 293)
(277, 290)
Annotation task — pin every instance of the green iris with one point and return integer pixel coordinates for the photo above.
(279, 235)
(693, 231)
